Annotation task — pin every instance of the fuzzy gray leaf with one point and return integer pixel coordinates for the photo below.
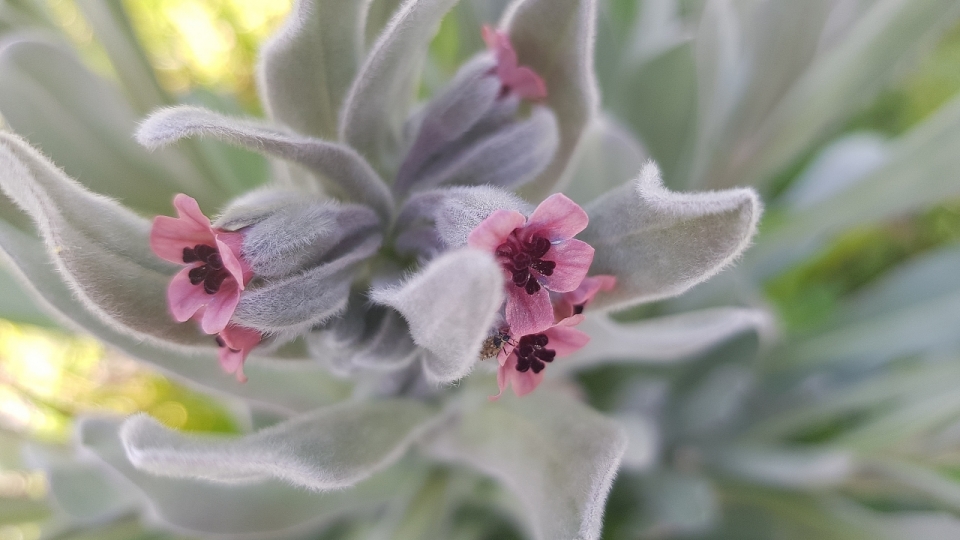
(302, 233)
(307, 66)
(378, 102)
(663, 340)
(450, 306)
(508, 158)
(608, 157)
(460, 210)
(558, 455)
(331, 448)
(270, 510)
(342, 171)
(282, 387)
(555, 39)
(659, 243)
(789, 468)
(84, 124)
(100, 248)
(300, 301)
(449, 116)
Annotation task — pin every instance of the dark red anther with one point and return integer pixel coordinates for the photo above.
(189, 255)
(198, 274)
(204, 251)
(578, 309)
(213, 281)
(523, 258)
(216, 262)
(532, 353)
(221, 342)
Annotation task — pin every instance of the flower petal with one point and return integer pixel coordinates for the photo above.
(220, 306)
(458, 211)
(528, 313)
(566, 340)
(522, 383)
(229, 245)
(573, 259)
(526, 83)
(238, 341)
(495, 229)
(168, 237)
(185, 298)
(556, 218)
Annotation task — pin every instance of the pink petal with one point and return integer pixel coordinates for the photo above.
(565, 340)
(589, 288)
(528, 313)
(169, 236)
(527, 84)
(238, 342)
(495, 230)
(556, 218)
(183, 298)
(500, 45)
(510, 363)
(573, 258)
(220, 307)
(231, 259)
(524, 383)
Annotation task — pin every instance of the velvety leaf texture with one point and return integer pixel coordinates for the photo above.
(659, 243)
(557, 455)
(382, 92)
(307, 66)
(339, 168)
(100, 248)
(260, 511)
(451, 306)
(331, 448)
(555, 39)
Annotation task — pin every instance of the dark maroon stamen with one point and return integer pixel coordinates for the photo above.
(524, 258)
(189, 255)
(212, 273)
(578, 309)
(221, 342)
(531, 353)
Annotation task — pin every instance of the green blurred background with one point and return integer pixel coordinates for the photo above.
(48, 376)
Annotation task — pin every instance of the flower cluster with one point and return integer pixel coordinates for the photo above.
(539, 256)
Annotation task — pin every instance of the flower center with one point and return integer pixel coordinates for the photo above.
(211, 273)
(522, 259)
(531, 353)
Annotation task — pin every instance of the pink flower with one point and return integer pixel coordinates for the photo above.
(538, 255)
(520, 79)
(214, 274)
(235, 343)
(572, 303)
(522, 361)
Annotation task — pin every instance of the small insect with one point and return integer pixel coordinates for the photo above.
(494, 344)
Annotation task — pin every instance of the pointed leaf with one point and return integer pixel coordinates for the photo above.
(261, 511)
(84, 124)
(331, 448)
(509, 157)
(101, 249)
(382, 92)
(918, 173)
(298, 302)
(891, 33)
(555, 39)
(338, 167)
(113, 30)
(659, 243)
(662, 340)
(450, 305)
(282, 387)
(557, 455)
(307, 66)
